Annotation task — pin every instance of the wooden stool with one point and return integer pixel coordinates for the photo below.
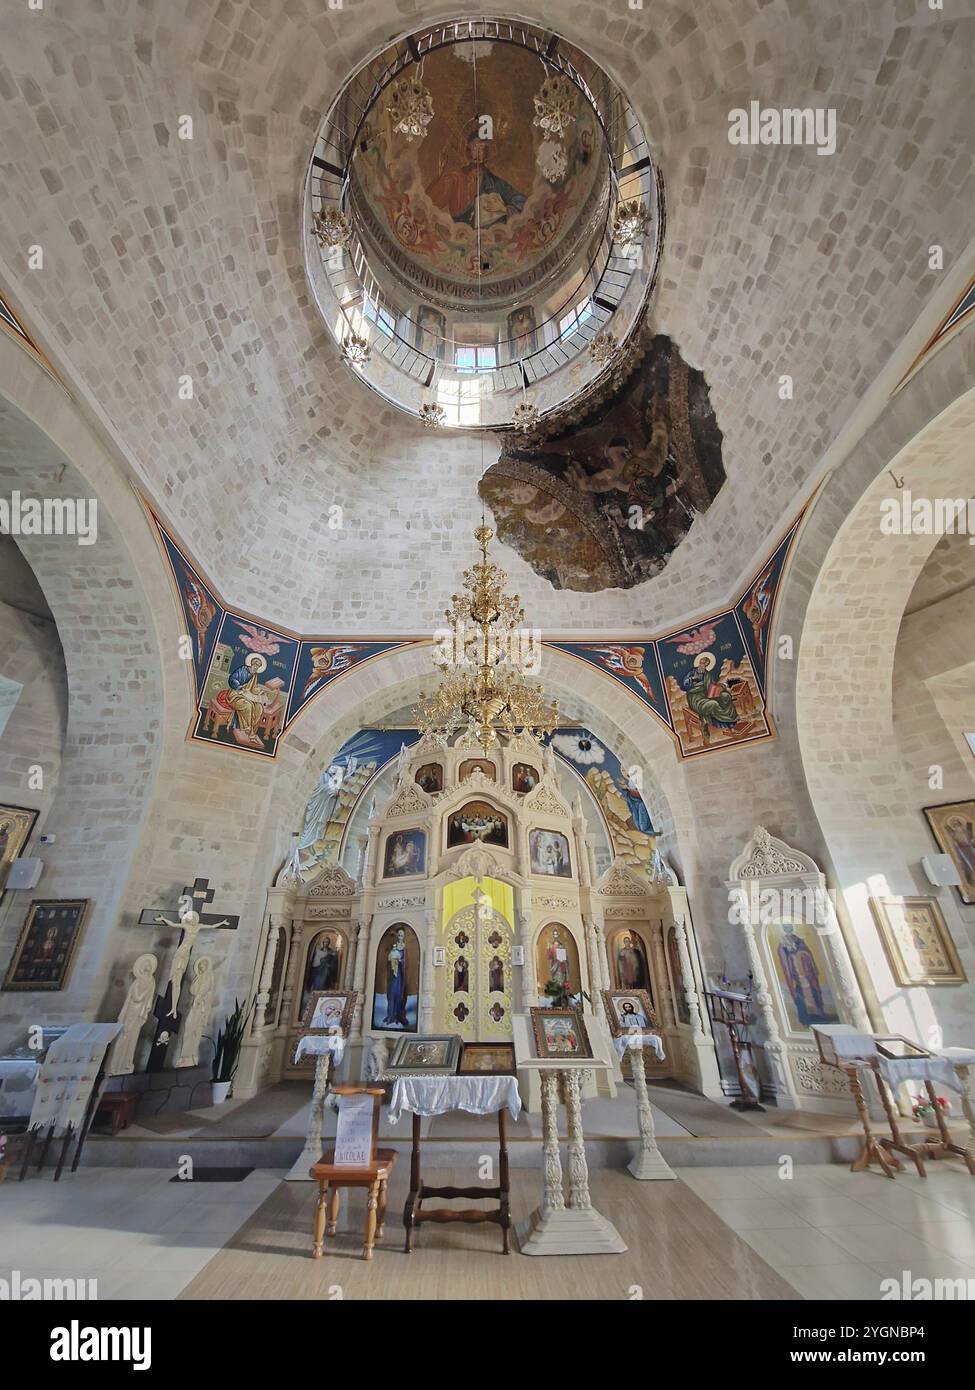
(119, 1106)
(331, 1177)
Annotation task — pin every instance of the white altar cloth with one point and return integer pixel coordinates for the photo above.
(898, 1070)
(436, 1095)
(317, 1044)
(627, 1041)
(18, 1082)
(960, 1056)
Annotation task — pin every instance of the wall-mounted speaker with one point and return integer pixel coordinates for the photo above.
(940, 870)
(24, 872)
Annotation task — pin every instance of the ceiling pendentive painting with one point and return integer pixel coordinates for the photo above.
(606, 502)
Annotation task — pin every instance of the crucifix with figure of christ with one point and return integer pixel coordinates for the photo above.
(191, 920)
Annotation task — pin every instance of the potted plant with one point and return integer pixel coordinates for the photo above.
(923, 1110)
(226, 1053)
(560, 996)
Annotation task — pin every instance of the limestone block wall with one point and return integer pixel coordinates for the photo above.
(167, 256)
(30, 652)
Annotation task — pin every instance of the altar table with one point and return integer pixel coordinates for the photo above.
(424, 1096)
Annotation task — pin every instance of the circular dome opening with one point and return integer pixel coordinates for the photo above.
(483, 222)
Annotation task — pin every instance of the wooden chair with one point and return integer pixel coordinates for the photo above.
(374, 1176)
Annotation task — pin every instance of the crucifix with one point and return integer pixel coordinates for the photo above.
(191, 920)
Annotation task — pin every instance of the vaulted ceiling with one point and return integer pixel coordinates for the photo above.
(167, 257)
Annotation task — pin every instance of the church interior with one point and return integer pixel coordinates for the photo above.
(487, 683)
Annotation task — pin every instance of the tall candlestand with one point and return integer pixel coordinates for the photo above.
(648, 1161)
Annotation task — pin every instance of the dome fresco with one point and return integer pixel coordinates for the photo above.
(488, 204)
(465, 236)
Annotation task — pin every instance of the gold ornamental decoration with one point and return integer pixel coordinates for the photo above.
(555, 106)
(410, 108)
(482, 656)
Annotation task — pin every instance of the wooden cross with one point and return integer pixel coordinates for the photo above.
(191, 920)
(191, 899)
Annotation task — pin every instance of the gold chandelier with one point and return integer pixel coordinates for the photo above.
(483, 653)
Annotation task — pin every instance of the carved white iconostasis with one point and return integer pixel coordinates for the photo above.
(801, 967)
(475, 885)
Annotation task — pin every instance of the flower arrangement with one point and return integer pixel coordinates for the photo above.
(922, 1109)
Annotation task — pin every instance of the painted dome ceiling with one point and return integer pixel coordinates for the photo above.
(487, 204)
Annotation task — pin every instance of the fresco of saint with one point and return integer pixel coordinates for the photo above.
(472, 193)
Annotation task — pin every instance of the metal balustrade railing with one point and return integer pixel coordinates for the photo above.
(605, 279)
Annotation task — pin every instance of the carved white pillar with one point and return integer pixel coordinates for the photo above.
(648, 1161)
(349, 973)
(291, 975)
(662, 995)
(553, 1198)
(359, 978)
(579, 1198)
(603, 955)
(275, 923)
(774, 1047)
(529, 984)
(372, 866)
(690, 986)
(595, 968)
(426, 974)
(362, 848)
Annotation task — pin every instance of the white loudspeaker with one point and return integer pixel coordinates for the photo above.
(940, 870)
(24, 873)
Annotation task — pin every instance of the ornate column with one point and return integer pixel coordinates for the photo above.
(371, 866)
(359, 978)
(775, 1053)
(663, 999)
(690, 985)
(529, 983)
(275, 924)
(362, 848)
(648, 1161)
(426, 975)
(595, 970)
(603, 955)
(291, 976)
(579, 1199)
(553, 1198)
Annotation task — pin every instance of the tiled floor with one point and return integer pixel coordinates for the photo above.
(828, 1232)
(133, 1230)
(835, 1234)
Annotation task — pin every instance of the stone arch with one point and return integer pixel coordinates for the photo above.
(844, 706)
(379, 688)
(104, 602)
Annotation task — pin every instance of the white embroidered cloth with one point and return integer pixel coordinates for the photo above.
(897, 1070)
(960, 1056)
(846, 1041)
(626, 1041)
(317, 1044)
(436, 1095)
(18, 1081)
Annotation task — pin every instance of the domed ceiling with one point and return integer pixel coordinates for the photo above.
(488, 203)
